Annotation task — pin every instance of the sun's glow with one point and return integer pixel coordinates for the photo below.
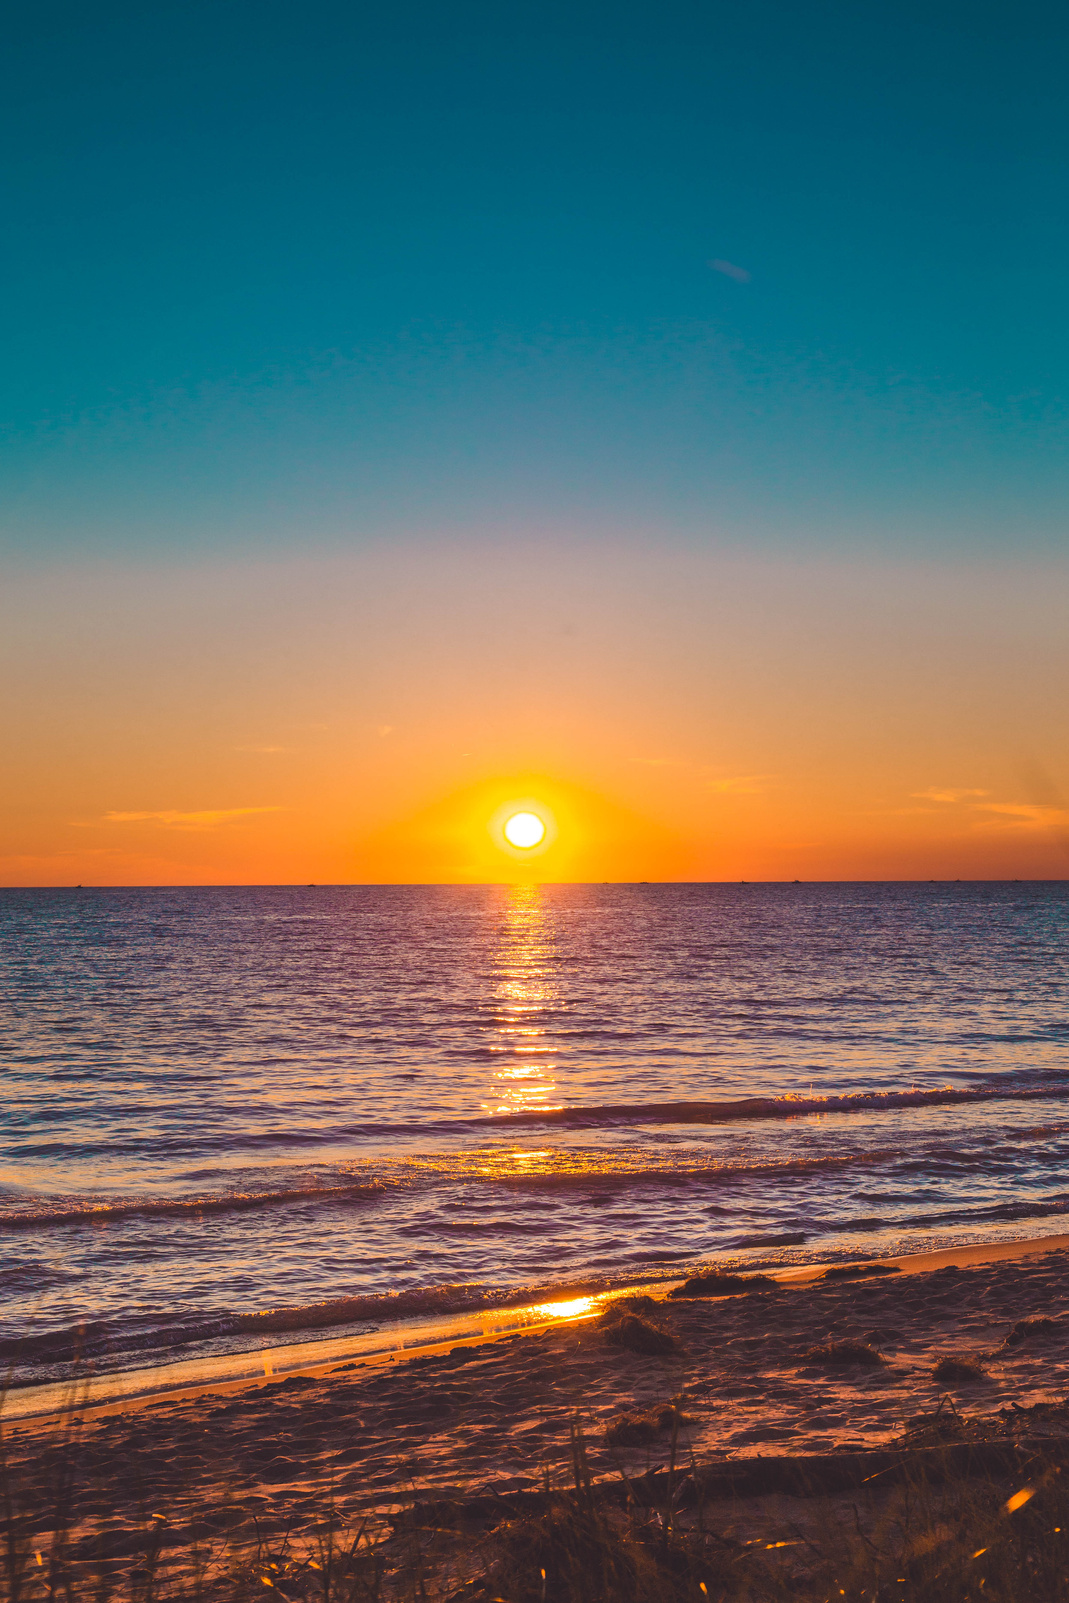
(525, 830)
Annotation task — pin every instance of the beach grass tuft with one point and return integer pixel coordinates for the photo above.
(925, 1539)
(637, 1429)
(636, 1334)
(836, 1354)
(959, 1369)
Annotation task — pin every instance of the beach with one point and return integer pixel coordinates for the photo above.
(740, 1388)
(426, 1102)
(395, 1242)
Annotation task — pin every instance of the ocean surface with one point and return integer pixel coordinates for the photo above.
(235, 1115)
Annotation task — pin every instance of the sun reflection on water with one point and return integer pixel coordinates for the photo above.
(525, 991)
(564, 1310)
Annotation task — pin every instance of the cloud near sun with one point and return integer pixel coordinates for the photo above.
(206, 819)
(712, 717)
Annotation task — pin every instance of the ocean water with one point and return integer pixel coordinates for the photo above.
(233, 1115)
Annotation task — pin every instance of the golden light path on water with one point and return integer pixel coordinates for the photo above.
(345, 1167)
(524, 992)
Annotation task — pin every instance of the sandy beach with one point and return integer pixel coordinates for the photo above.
(735, 1378)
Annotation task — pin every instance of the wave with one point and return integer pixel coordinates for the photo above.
(546, 1180)
(93, 1212)
(605, 1173)
(788, 1106)
(109, 1344)
(92, 1340)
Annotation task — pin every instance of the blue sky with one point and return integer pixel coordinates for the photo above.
(280, 276)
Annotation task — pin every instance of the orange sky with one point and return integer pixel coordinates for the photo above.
(683, 714)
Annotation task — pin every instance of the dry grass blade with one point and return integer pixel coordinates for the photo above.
(651, 1539)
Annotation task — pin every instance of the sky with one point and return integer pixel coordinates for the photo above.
(657, 415)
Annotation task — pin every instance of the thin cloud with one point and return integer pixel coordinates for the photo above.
(263, 750)
(947, 795)
(729, 270)
(1041, 817)
(741, 784)
(1024, 815)
(209, 818)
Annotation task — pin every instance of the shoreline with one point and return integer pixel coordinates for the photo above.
(126, 1391)
(760, 1404)
(939, 1258)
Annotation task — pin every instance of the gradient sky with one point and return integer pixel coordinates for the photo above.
(660, 411)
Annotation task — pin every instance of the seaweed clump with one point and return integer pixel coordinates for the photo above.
(1029, 1329)
(859, 1271)
(957, 1369)
(622, 1328)
(638, 1429)
(840, 1354)
(718, 1283)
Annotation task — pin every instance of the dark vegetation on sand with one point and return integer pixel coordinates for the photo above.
(930, 1532)
(836, 1354)
(719, 1283)
(859, 1271)
(632, 1322)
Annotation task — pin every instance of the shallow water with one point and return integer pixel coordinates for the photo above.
(416, 1099)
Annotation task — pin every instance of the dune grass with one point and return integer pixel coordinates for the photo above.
(939, 1540)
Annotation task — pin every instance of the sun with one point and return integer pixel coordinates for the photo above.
(525, 830)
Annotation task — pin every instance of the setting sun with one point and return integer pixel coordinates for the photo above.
(525, 830)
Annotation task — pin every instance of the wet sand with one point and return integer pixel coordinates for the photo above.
(496, 1417)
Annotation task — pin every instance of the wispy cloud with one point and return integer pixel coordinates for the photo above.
(263, 750)
(741, 784)
(209, 818)
(723, 784)
(1025, 815)
(986, 815)
(729, 270)
(947, 795)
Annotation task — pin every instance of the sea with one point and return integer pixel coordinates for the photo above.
(233, 1117)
